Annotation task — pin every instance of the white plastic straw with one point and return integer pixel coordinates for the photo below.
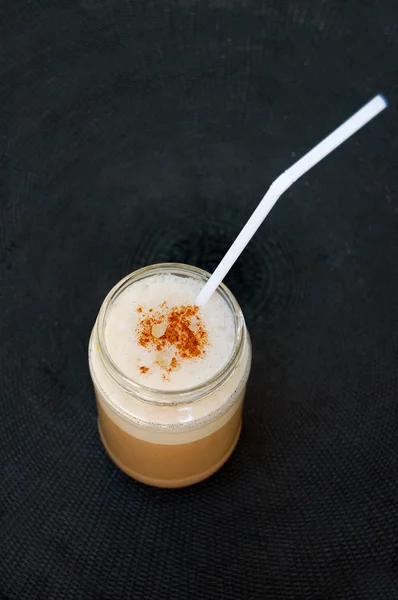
(283, 182)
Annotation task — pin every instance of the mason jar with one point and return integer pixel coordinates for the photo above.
(161, 437)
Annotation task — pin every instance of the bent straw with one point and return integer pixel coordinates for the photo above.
(283, 182)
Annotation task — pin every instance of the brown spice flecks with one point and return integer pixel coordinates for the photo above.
(139, 309)
(144, 370)
(179, 337)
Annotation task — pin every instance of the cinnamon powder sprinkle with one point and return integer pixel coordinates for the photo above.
(144, 370)
(184, 335)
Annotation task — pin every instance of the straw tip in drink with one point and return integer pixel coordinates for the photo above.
(199, 302)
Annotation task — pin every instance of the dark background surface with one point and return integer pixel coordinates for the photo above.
(139, 132)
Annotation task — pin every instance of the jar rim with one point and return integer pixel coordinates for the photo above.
(174, 396)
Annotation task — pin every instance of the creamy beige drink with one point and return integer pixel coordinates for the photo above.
(169, 377)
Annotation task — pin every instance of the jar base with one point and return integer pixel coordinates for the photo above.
(171, 483)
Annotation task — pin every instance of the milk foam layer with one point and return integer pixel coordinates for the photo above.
(172, 423)
(122, 340)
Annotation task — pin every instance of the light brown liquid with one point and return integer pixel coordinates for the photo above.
(164, 465)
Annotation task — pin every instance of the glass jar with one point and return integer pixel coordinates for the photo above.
(169, 438)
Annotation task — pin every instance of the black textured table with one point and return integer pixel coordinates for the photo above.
(140, 132)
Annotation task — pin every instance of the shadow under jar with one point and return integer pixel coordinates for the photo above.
(169, 437)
